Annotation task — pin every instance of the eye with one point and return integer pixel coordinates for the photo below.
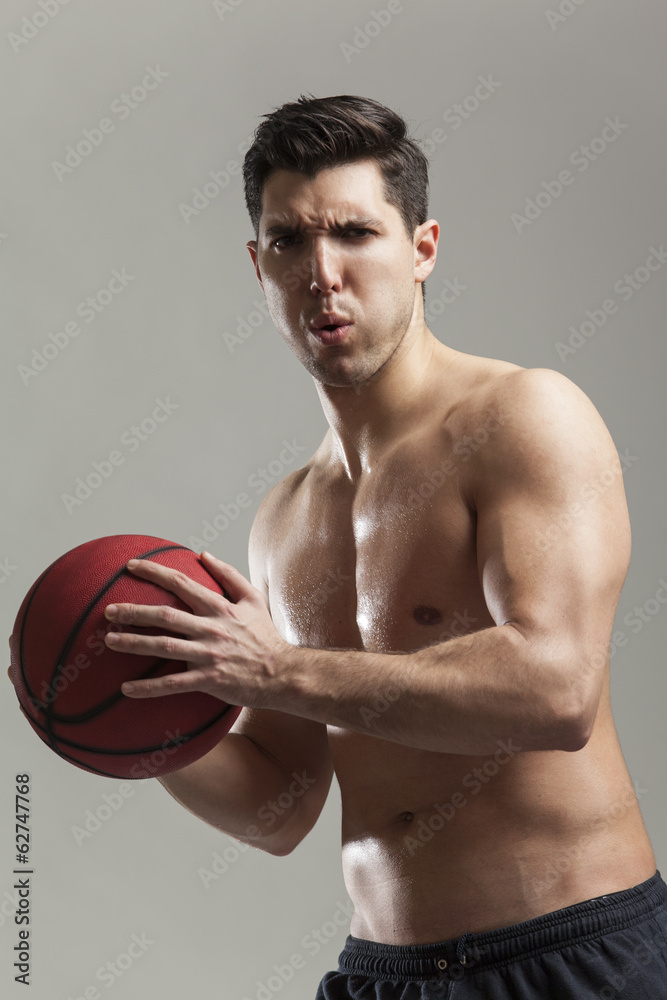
(358, 233)
(276, 242)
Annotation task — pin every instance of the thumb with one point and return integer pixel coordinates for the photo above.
(234, 584)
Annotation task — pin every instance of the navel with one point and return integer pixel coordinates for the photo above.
(426, 615)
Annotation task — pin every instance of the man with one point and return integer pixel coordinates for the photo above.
(430, 614)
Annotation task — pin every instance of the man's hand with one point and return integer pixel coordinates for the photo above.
(233, 650)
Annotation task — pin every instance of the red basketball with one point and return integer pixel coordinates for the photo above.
(68, 681)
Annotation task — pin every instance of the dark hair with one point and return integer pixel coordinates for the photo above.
(316, 132)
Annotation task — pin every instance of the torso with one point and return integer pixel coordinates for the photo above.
(436, 844)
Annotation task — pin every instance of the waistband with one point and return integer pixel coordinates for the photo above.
(475, 952)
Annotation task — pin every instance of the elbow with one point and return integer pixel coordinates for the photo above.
(568, 702)
(574, 722)
(280, 842)
(576, 735)
(281, 850)
(278, 847)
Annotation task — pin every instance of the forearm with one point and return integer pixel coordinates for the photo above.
(233, 789)
(462, 696)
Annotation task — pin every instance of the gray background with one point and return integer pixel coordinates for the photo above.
(167, 335)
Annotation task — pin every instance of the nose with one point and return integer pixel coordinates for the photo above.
(325, 267)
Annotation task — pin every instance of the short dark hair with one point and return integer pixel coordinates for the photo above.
(316, 132)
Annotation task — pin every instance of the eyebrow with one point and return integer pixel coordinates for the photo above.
(280, 229)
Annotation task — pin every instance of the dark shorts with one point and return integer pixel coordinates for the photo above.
(609, 948)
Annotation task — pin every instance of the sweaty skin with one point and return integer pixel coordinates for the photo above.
(442, 577)
(437, 844)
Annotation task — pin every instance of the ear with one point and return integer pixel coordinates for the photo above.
(252, 250)
(426, 248)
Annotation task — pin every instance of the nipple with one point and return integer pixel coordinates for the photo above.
(426, 615)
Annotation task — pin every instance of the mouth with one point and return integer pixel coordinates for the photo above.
(330, 329)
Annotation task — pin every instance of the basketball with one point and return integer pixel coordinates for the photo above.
(68, 681)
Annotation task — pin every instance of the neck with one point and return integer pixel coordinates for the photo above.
(366, 418)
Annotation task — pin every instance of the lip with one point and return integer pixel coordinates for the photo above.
(336, 336)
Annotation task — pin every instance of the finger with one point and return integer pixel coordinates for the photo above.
(156, 616)
(156, 687)
(197, 597)
(165, 647)
(9, 674)
(233, 581)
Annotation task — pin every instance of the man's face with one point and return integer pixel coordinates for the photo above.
(333, 245)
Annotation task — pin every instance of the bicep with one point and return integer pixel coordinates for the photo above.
(553, 536)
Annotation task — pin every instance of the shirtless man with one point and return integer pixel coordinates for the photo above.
(429, 617)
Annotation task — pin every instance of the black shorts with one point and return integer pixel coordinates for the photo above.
(611, 948)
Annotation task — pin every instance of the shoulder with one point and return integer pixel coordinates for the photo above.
(518, 395)
(538, 405)
(538, 426)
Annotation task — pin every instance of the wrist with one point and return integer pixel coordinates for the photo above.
(289, 667)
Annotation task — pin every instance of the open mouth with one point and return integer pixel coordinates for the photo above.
(332, 333)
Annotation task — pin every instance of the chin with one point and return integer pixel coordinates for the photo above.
(338, 373)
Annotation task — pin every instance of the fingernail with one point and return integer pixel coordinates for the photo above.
(131, 563)
(127, 688)
(111, 638)
(111, 611)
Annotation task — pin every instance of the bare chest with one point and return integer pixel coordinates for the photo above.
(389, 565)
